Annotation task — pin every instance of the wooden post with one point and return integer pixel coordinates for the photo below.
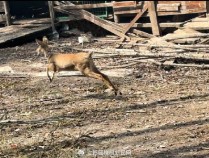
(207, 7)
(153, 18)
(115, 16)
(52, 15)
(51, 11)
(7, 12)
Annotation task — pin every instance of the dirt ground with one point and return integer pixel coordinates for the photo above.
(160, 114)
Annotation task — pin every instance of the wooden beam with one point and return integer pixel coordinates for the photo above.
(7, 13)
(87, 6)
(168, 7)
(143, 34)
(52, 15)
(116, 17)
(153, 18)
(135, 19)
(162, 25)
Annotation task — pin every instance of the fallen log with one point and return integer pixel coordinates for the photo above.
(141, 33)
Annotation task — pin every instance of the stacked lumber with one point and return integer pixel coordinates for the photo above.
(184, 47)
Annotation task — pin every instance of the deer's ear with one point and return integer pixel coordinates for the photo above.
(39, 42)
(45, 40)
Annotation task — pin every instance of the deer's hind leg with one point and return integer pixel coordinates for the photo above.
(93, 72)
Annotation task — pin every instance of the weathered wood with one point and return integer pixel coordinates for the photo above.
(7, 33)
(116, 17)
(7, 13)
(32, 21)
(123, 4)
(207, 6)
(153, 18)
(197, 25)
(135, 11)
(134, 53)
(172, 46)
(162, 25)
(204, 41)
(51, 11)
(141, 33)
(135, 19)
(194, 35)
(126, 7)
(189, 20)
(2, 18)
(168, 7)
(87, 6)
(192, 48)
(187, 41)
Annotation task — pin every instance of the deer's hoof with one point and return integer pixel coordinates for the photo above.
(109, 91)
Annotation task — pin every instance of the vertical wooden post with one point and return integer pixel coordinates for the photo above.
(51, 11)
(207, 7)
(7, 12)
(55, 34)
(153, 18)
(115, 16)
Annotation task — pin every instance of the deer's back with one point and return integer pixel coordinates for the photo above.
(67, 60)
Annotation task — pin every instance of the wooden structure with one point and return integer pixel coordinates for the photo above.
(23, 28)
(134, 10)
(151, 9)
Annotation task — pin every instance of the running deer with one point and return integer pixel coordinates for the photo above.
(82, 62)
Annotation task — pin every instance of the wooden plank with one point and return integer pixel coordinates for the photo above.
(162, 7)
(141, 33)
(12, 32)
(207, 6)
(153, 18)
(129, 10)
(197, 25)
(102, 23)
(1, 7)
(147, 25)
(124, 4)
(136, 18)
(32, 21)
(7, 13)
(126, 7)
(2, 18)
(87, 6)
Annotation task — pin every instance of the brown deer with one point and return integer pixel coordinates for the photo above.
(82, 62)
